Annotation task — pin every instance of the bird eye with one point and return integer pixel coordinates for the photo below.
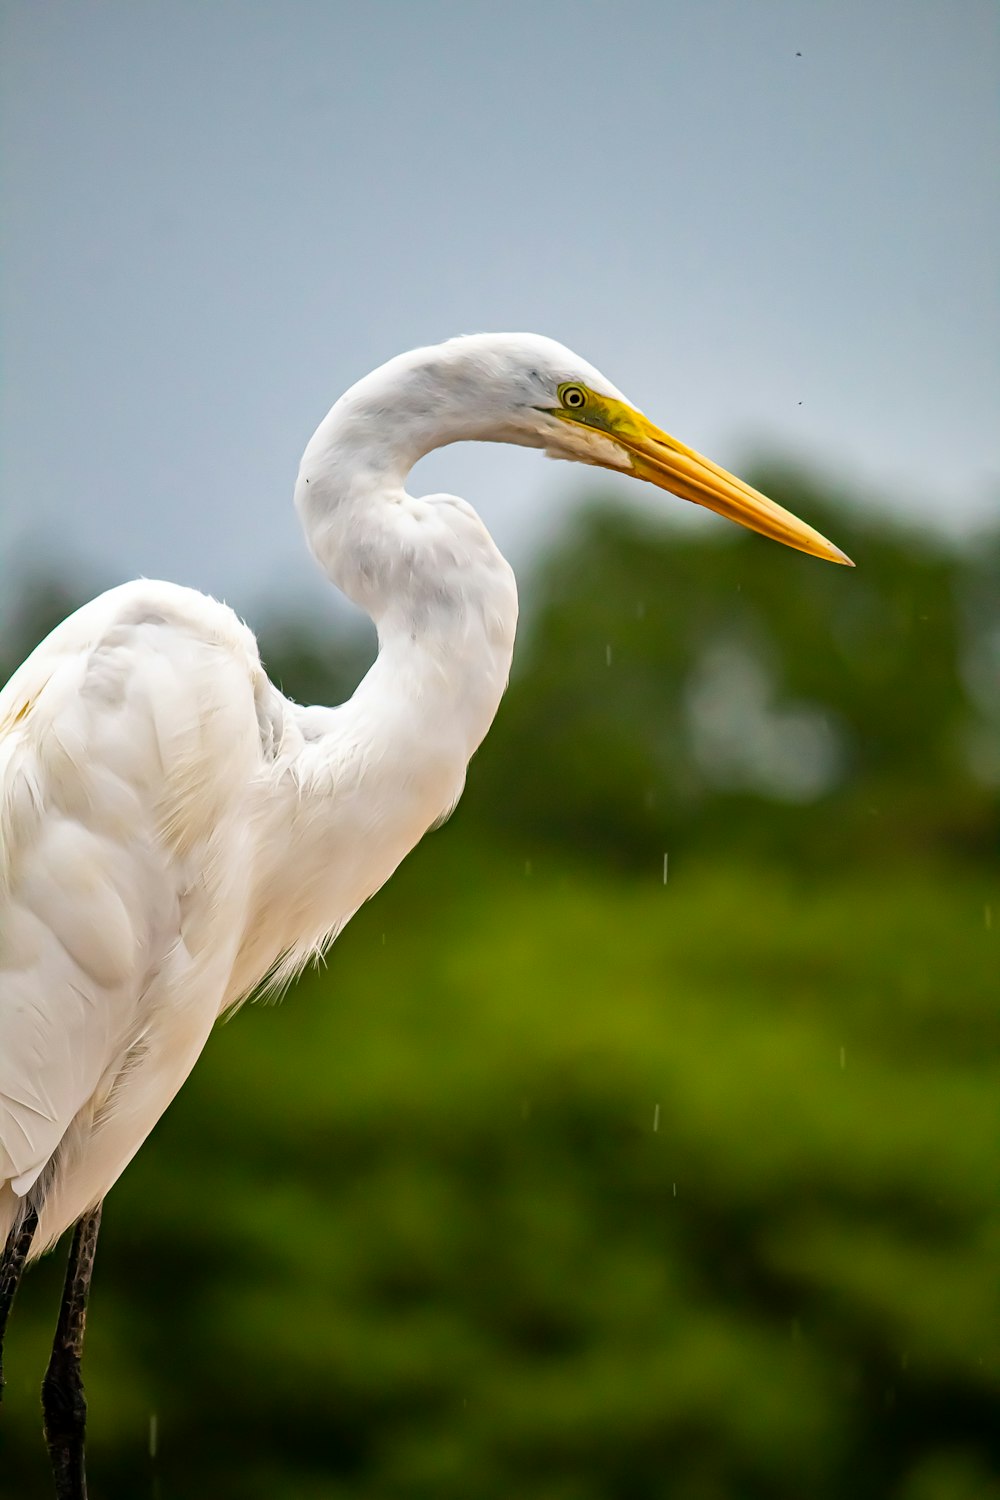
(573, 397)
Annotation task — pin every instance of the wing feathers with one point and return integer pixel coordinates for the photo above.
(127, 741)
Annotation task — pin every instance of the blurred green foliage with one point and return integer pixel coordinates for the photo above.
(568, 1181)
(677, 685)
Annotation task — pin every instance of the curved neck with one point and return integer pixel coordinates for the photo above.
(355, 466)
(426, 570)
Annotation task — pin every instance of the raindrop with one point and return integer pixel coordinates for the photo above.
(607, 654)
(675, 1190)
(154, 1433)
(666, 863)
(988, 918)
(656, 1118)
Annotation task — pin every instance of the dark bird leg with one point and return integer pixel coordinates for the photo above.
(64, 1405)
(15, 1253)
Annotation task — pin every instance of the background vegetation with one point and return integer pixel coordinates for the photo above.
(640, 1139)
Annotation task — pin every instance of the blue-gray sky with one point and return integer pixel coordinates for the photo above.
(771, 222)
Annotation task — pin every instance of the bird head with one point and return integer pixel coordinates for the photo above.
(558, 402)
(525, 389)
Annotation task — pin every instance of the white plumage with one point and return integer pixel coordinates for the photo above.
(126, 751)
(173, 830)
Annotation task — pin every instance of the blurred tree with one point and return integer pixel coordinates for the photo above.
(673, 688)
(550, 1187)
(566, 1183)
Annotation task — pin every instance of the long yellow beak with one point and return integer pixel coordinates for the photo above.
(665, 462)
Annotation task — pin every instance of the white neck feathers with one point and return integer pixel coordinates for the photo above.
(426, 570)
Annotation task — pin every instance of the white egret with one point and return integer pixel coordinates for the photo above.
(174, 831)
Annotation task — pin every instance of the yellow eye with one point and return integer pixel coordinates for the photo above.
(573, 397)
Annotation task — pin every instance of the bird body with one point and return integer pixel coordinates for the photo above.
(129, 749)
(174, 831)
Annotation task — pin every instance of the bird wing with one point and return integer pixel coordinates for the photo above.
(127, 740)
